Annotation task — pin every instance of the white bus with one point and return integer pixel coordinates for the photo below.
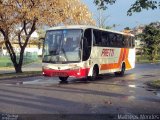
(86, 51)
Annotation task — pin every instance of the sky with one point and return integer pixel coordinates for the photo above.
(117, 14)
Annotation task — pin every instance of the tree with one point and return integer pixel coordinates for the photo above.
(151, 41)
(138, 6)
(127, 28)
(20, 18)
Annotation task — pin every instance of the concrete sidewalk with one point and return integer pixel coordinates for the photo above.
(29, 67)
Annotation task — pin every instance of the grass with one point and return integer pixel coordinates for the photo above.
(144, 59)
(155, 84)
(5, 62)
(18, 75)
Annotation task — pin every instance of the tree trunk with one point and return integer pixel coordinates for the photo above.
(17, 65)
(18, 68)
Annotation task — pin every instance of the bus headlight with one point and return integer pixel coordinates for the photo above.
(45, 68)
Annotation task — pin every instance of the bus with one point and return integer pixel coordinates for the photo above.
(86, 51)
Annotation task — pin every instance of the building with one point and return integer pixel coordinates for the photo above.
(138, 44)
(32, 46)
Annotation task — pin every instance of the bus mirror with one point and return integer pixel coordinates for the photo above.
(40, 42)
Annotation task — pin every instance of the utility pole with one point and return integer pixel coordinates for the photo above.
(100, 18)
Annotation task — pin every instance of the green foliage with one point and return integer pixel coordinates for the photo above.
(108, 27)
(151, 41)
(127, 28)
(138, 6)
(145, 59)
(102, 3)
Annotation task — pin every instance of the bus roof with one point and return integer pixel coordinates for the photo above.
(85, 27)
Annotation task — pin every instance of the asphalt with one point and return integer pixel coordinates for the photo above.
(108, 97)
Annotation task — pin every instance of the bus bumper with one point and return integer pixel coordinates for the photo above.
(79, 73)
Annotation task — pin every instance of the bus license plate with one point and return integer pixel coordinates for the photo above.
(60, 74)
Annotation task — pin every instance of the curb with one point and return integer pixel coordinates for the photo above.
(12, 68)
(23, 76)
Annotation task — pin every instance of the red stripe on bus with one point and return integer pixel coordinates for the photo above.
(83, 72)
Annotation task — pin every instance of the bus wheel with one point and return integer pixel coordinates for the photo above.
(63, 79)
(121, 73)
(94, 73)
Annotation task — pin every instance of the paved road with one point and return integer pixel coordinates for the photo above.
(108, 95)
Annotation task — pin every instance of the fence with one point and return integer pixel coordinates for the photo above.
(29, 57)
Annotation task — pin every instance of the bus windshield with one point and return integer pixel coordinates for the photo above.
(62, 46)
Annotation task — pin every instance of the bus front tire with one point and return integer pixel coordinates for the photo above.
(121, 73)
(95, 73)
(63, 79)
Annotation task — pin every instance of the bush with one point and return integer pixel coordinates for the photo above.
(138, 53)
(30, 57)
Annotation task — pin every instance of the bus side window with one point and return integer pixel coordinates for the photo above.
(115, 42)
(88, 36)
(119, 40)
(87, 42)
(97, 36)
(112, 39)
(105, 39)
(123, 41)
(94, 40)
(126, 42)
